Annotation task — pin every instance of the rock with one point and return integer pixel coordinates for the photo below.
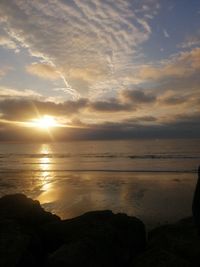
(196, 203)
(180, 241)
(23, 238)
(160, 258)
(28, 234)
(16, 246)
(25, 210)
(98, 238)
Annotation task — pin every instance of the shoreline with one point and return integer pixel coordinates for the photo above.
(155, 198)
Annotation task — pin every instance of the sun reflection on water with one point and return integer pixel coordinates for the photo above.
(45, 167)
(49, 194)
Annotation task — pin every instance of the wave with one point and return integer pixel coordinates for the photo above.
(4, 170)
(125, 156)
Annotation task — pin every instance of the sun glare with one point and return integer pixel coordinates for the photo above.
(45, 122)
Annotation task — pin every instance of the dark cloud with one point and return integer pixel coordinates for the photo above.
(138, 96)
(23, 109)
(17, 109)
(175, 99)
(186, 123)
(142, 119)
(180, 127)
(192, 119)
(112, 105)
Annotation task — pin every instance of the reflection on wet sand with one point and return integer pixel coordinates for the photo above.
(103, 176)
(46, 176)
(151, 197)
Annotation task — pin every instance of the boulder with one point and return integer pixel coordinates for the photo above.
(17, 247)
(172, 245)
(157, 257)
(24, 210)
(196, 203)
(22, 242)
(30, 236)
(96, 239)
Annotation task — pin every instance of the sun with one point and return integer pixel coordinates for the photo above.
(45, 122)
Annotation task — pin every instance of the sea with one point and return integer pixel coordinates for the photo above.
(153, 179)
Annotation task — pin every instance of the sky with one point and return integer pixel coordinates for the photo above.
(102, 69)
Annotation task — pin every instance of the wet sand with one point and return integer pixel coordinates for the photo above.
(156, 198)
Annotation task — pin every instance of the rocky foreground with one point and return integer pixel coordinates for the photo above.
(30, 236)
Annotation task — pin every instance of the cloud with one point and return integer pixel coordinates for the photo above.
(23, 109)
(96, 49)
(43, 70)
(166, 34)
(4, 70)
(7, 42)
(181, 126)
(191, 41)
(138, 96)
(135, 103)
(92, 72)
(111, 105)
(182, 65)
(89, 41)
(20, 105)
(142, 119)
(6, 93)
(171, 98)
(126, 119)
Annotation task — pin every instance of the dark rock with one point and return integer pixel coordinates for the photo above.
(196, 203)
(16, 246)
(157, 257)
(97, 239)
(23, 232)
(24, 210)
(29, 234)
(179, 241)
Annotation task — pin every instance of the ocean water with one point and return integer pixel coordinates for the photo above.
(151, 179)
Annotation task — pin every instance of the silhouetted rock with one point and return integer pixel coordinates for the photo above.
(24, 210)
(18, 247)
(13, 243)
(161, 258)
(22, 242)
(196, 203)
(172, 245)
(97, 239)
(30, 236)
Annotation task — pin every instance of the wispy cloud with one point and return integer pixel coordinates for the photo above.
(7, 42)
(180, 65)
(191, 40)
(88, 62)
(166, 34)
(43, 70)
(86, 40)
(6, 93)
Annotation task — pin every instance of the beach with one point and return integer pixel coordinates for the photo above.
(153, 180)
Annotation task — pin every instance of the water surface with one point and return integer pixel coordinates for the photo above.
(151, 179)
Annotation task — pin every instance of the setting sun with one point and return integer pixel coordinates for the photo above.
(45, 122)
